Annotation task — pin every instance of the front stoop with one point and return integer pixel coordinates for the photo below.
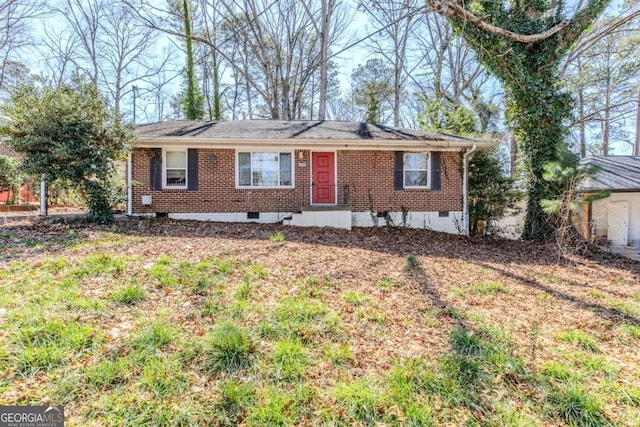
(321, 217)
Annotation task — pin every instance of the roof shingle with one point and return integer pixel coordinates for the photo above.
(620, 173)
(282, 129)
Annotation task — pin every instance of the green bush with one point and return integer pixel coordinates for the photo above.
(68, 133)
(132, 294)
(576, 408)
(230, 347)
(288, 358)
(360, 400)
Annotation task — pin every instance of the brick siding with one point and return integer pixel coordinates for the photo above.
(365, 181)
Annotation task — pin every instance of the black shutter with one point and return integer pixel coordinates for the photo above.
(155, 169)
(398, 170)
(436, 171)
(192, 169)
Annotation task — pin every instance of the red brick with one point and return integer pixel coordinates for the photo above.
(365, 182)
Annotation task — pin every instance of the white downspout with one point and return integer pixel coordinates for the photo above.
(129, 186)
(465, 195)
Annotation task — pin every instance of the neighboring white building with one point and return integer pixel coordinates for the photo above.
(615, 218)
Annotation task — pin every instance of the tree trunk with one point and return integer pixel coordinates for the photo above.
(539, 148)
(327, 5)
(396, 91)
(247, 83)
(583, 125)
(636, 147)
(193, 102)
(606, 126)
(514, 156)
(217, 99)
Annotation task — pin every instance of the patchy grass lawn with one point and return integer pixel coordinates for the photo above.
(157, 322)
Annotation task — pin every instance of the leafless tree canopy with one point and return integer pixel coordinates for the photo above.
(291, 59)
(15, 19)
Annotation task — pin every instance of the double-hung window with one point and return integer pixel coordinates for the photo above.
(265, 169)
(175, 168)
(416, 170)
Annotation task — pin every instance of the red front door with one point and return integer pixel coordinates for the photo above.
(323, 179)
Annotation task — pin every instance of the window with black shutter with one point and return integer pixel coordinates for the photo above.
(174, 169)
(417, 170)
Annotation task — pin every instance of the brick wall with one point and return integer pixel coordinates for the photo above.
(363, 177)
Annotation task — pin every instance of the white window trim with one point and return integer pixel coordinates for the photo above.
(404, 170)
(164, 169)
(266, 150)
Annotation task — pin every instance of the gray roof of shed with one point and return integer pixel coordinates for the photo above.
(617, 173)
(299, 130)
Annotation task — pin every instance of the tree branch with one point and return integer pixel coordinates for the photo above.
(451, 8)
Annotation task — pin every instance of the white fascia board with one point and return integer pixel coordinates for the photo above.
(445, 144)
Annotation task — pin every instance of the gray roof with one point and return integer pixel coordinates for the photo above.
(281, 130)
(616, 173)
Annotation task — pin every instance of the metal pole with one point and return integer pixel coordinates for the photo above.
(43, 196)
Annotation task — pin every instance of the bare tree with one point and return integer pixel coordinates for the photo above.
(602, 72)
(105, 41)
(271, 48)
(451, 76)
(394, 22)
(83, 17)
(156, 92)
(15, 19)
(60, 51)
(208, 23)
(636, 145)
(323, 28)
(127, 52)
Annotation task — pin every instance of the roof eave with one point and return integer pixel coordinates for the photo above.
(444, 144)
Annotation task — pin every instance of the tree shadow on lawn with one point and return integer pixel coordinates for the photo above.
(486, 253)
(398, 241)
(465, 381)
(466, 376)
(484, 373)
(607, 313)
(489, 253)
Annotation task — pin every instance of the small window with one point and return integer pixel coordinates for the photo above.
(175, 172)
(416, 170)
(265, 169)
